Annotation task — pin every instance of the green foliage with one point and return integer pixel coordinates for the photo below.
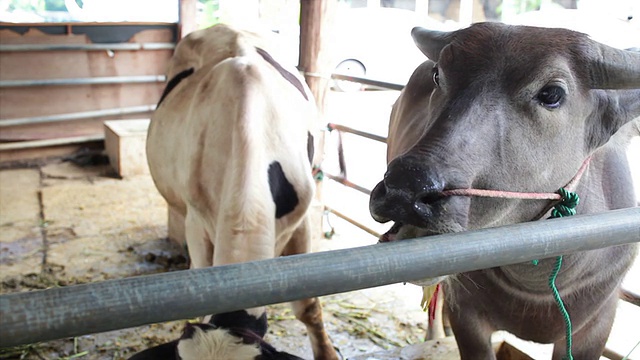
(39, 5)
(521, 6)
(209, 15)
(24, 5)
(54, 5)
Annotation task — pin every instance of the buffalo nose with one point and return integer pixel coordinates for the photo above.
(406, 194)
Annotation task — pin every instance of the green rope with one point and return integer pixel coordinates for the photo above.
(566, 207)
(319, 174)
(561, 307)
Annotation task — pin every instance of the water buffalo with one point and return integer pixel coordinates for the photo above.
(519, 109)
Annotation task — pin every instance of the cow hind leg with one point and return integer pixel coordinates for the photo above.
(309, 312)
(198, 242)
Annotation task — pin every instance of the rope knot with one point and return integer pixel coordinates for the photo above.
(566, 206)
(317, 173)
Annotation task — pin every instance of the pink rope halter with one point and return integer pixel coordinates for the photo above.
(571, 185)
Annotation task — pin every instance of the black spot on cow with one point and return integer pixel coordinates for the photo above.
(283, 193)
(285, 74)
(174, 82)
(241, 319)
(310, 147)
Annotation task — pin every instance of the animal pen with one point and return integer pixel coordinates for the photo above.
(115, 304)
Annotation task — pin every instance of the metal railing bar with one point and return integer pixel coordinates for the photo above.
(353, 222)
(115, 304)
(377, 83)
(347, 183)
(77, 115)
(20, 145)
(86, 47)
(347, 129)
(611, 354)
(104, 80)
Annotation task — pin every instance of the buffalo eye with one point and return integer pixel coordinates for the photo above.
(435, 75)
(551, 96)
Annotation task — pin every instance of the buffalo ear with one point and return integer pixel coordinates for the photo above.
(615, 109)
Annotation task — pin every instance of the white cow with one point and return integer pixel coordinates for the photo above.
(229, 147)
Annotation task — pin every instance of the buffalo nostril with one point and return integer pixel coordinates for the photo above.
(378, 203)
(423, 204)
(428, 197)
(379, 190)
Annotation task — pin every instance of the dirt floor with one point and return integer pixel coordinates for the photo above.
(62, 224)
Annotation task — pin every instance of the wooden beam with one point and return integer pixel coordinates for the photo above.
(316, 17)
(315, 24)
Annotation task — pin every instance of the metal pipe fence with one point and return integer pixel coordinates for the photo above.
(104, 80)
(115, 304)
(86, 47)
(77, 115)
(364, 134)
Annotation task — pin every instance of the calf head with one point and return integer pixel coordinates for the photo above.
(503, 107)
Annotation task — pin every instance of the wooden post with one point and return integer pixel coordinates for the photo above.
(187, 17)
(316, 18)
(315, 26)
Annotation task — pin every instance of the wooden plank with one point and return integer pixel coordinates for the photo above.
(41, 101)
(70, 64)
(24, 102)
(60, 129)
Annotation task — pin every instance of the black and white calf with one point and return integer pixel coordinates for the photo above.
(210, 342)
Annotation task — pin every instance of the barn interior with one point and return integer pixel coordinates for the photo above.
(79, 81)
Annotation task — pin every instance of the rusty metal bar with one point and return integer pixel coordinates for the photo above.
(376, 83)
(86, 47)
(353, 222)
(104, 80)
(630, 296)
(77, 115)
(347, 183)
(347, 129)
(610, 354)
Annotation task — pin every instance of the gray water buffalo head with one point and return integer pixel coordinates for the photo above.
(500, 107)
